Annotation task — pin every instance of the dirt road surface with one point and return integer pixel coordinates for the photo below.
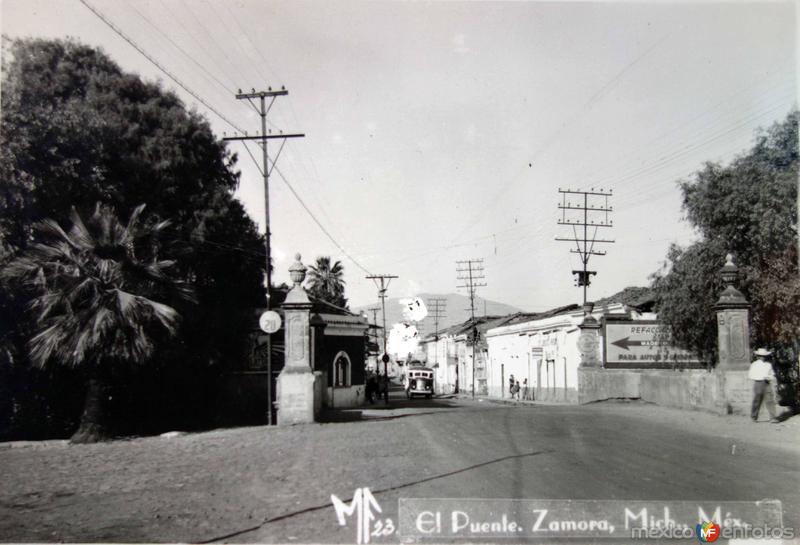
(275, 484)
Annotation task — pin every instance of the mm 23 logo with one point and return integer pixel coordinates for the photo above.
(364, 506)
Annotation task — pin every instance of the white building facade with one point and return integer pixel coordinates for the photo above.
(544, 351)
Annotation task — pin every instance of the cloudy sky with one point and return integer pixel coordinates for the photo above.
(439, 131)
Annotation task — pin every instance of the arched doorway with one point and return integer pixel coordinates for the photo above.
(341, 370)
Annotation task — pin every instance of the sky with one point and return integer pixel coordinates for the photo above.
(443, 131)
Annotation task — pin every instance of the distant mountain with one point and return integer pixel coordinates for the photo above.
(456, 310)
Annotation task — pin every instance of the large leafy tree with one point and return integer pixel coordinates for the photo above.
(75, 130)
(326, 281)
(93, 291)
(747, 208)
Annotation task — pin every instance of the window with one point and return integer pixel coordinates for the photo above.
(341, 370)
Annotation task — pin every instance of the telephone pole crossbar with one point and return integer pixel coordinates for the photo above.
(586, 250)
(263, 137)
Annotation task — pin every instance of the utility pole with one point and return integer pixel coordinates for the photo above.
(374, 311)
(470, 271)
(579, 216)
(382, 283)
(436, 308)
(263, 137)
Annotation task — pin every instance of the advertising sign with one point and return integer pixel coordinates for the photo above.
(644, 345)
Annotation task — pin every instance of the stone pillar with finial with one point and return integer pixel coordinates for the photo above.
(733, 343)
(295, 385)
(589, 339)
(733, 322)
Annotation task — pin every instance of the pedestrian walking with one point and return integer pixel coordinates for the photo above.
(515, 391)
(384, 387)
(371, 387)
(525, 389)
(511, 385)
(763, 377)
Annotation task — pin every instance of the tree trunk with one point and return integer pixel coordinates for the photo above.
(93, 426)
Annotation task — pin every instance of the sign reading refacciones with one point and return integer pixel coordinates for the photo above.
(644, 345)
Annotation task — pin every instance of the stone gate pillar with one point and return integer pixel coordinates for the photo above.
(295, 388)
(733, 322)
(589, 339)
(733, 343)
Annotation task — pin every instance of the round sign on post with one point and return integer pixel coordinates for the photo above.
(270, 322)
(385, 358)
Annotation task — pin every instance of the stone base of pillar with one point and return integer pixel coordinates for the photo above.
(736, 392)
(296, 399)
(589, 346)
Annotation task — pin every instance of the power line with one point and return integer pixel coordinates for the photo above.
(186, 88)
(158, 65)
(179, 48)
(560, 130)
(567, 218)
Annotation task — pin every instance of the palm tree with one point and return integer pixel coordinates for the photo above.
(326, 281)
(92, 290)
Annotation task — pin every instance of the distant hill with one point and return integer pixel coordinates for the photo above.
(456, 311)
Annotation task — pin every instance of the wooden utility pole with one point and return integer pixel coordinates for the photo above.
(382, 283)
(436, 308)
(266, 170)
(587, 249)
(470, 272)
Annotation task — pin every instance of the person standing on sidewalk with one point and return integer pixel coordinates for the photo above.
(763, 377)
(525, 389)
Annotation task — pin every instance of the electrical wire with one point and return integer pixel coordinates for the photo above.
(174, 78)
(158, 65)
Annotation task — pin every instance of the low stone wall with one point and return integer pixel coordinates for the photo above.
(344, 398)
(595, 384)
(727, 393)
(688, 389)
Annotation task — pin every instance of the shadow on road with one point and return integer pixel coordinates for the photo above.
(326, 505)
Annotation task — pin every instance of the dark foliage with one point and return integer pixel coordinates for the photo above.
(749, 209)
(76, 130)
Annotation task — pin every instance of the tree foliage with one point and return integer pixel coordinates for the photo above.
(91, 292)
(76, 130)
(326, 281)
(747, 208)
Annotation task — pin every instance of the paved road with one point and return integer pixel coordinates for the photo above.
(274, 485)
